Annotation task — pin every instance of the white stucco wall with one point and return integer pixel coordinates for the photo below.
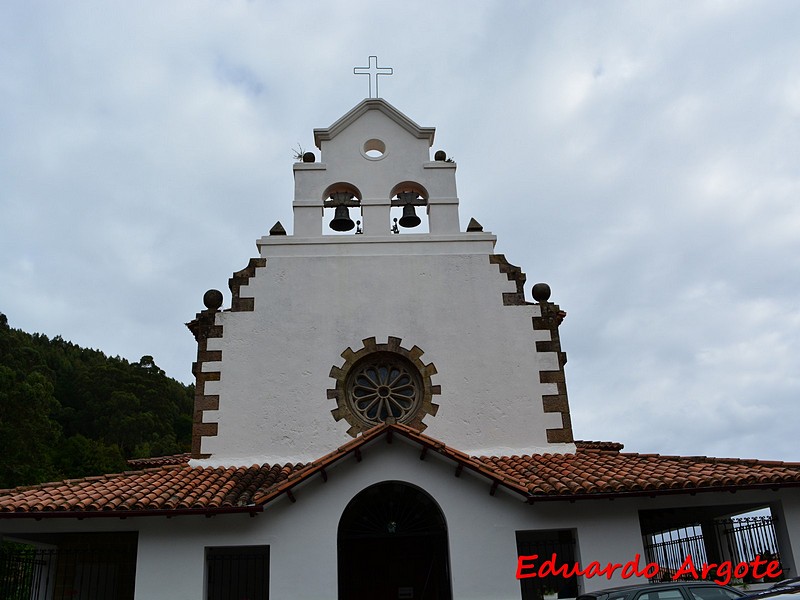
(319, 295)
(315, 299)
(787, 517)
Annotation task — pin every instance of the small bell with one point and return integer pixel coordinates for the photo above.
(409, 218)
(341, 220)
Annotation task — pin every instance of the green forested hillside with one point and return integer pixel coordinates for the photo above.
(67, 411)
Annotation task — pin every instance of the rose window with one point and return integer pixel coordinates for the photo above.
(383, 383)
(383, 387)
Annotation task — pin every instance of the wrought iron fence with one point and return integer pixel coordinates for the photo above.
(739, 539)
(745, 538)
(668, 549)
(30, 573)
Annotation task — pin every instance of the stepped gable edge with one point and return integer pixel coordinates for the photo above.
(550, 318)
(203, 327)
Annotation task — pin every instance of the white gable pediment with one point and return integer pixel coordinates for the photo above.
(370, 104)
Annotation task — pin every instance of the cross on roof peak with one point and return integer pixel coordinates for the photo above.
(373, 70)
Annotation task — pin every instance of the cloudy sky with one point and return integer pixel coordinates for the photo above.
(640, 157)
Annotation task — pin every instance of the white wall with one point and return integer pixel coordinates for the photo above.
(319, 295)
(787, 529)
(276, 360)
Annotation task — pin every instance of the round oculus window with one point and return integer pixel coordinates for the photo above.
(384, 386)
(383, 383)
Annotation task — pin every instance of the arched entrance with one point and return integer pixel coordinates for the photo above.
(392, 544)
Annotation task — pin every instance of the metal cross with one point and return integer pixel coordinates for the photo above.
(373, 69)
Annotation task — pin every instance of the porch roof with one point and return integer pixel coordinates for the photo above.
(170, 490)
(595, 470)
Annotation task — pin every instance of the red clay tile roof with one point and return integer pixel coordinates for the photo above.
(354, 447)
(174, 489)
(595, 470)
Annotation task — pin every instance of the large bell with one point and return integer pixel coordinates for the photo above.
(341, 220)
(409, 218)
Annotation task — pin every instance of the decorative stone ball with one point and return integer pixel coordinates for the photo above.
(309, 157)
(541, 292)
(440, 155)
(212, 299)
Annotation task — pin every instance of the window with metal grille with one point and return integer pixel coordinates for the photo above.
(237, 573)
(546, 544)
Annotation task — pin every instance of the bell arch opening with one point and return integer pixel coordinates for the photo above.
(337, 201)
(392, 543)
(408, 212)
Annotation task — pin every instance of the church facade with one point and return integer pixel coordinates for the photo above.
(381, 411)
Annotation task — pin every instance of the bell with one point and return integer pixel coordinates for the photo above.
(341, 220)
(409, 218)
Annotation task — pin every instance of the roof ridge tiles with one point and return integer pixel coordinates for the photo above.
(706, 459)
(598, 445)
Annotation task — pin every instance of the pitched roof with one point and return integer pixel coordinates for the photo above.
(595, 470)
(169, 489)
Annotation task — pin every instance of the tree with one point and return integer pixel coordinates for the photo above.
(80, 456)
(27, 432)
(67, 411)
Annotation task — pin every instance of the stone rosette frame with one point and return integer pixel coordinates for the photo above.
(371, 348)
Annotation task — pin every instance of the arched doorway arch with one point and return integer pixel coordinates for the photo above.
(392, 543)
